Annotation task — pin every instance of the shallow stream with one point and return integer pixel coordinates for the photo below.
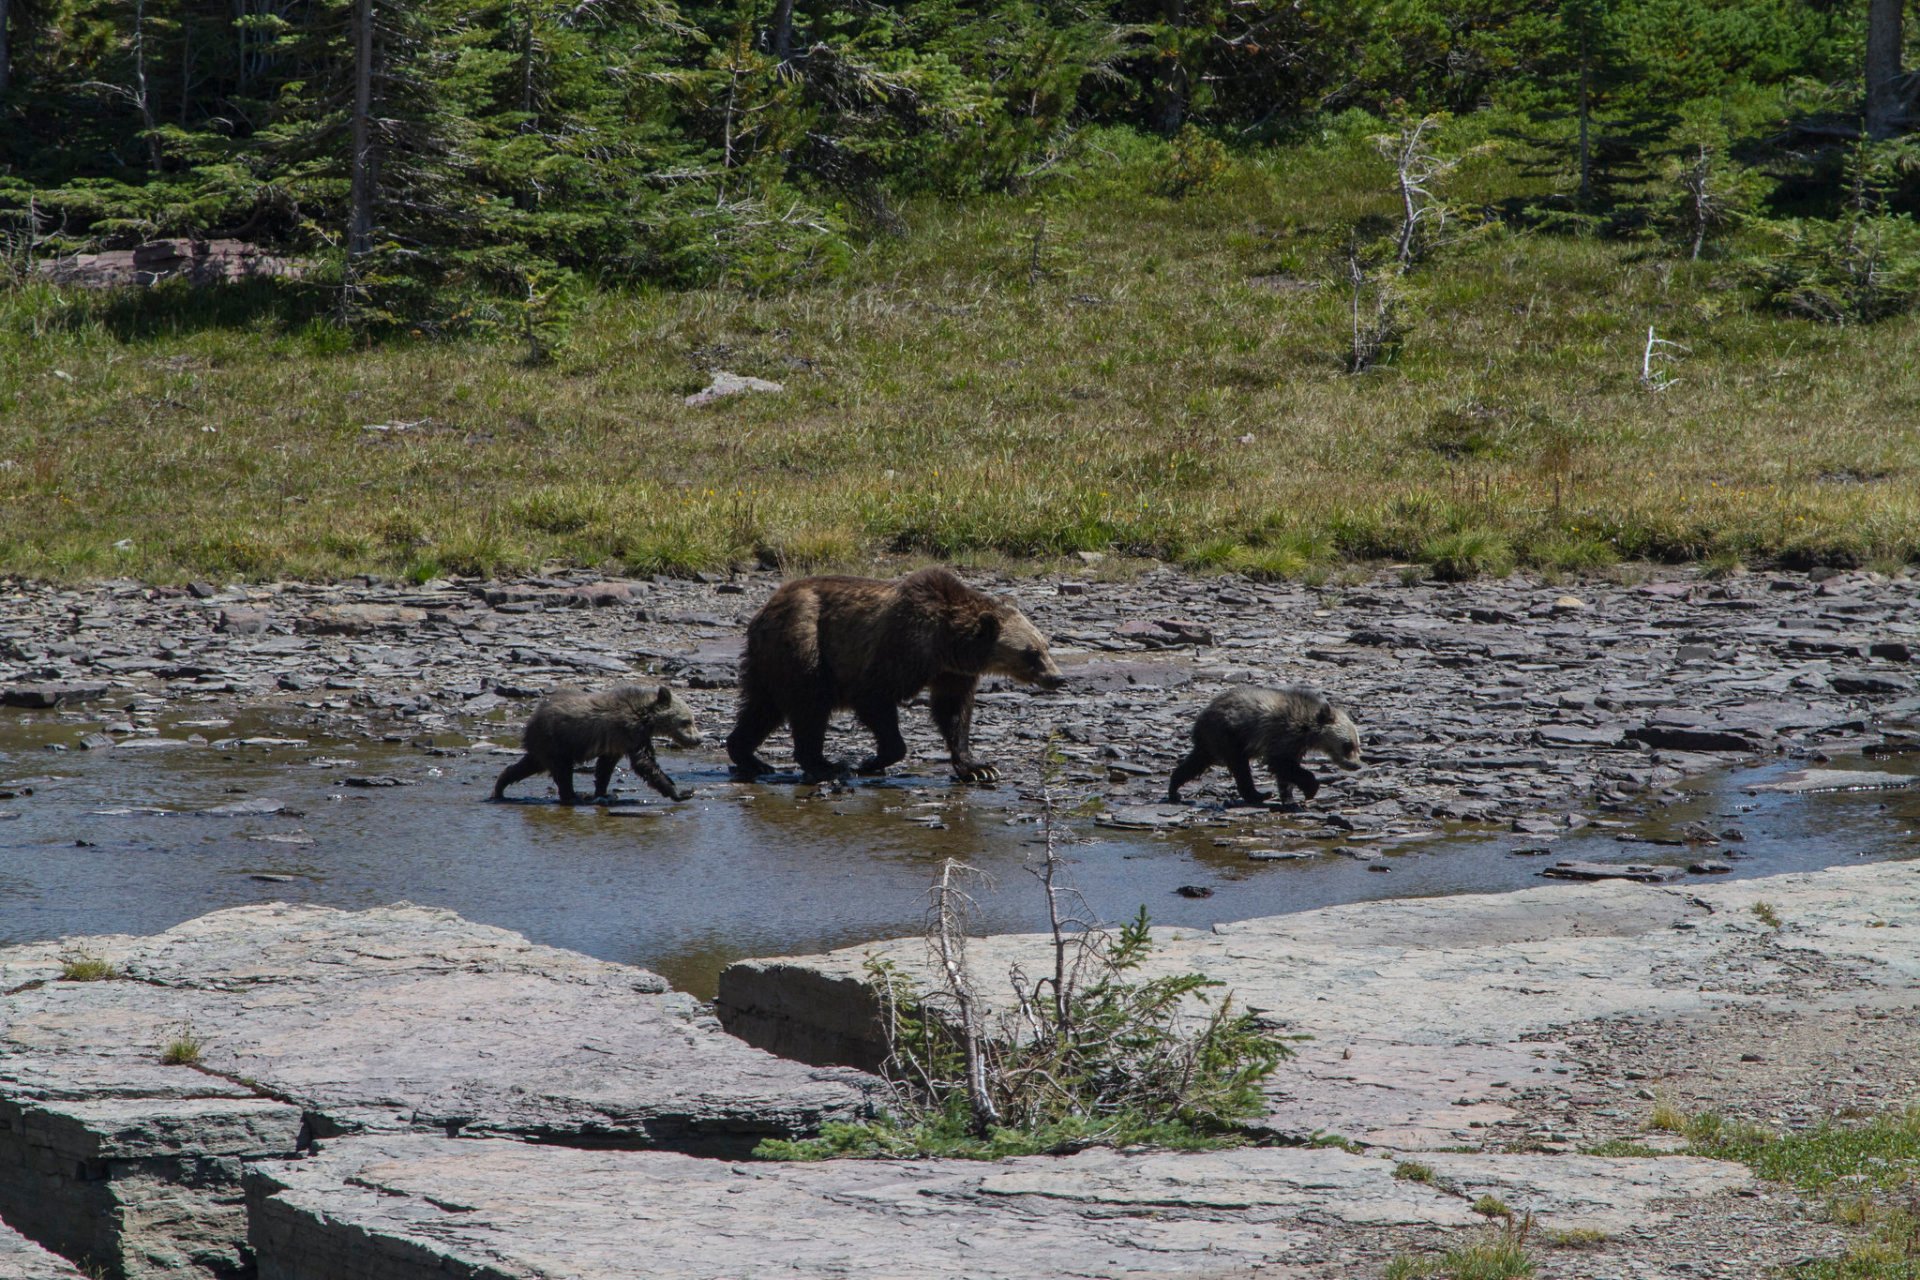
(121, 841)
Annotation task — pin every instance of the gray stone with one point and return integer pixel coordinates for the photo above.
(1426, 986)
(1812, 780)
(416, 1207)
(392, 1019)
(1869, 684)
(726, 384)
(53, 693)
(351, 619)
(22, 1259)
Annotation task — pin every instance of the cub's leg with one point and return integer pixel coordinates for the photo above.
(1195, 763)
(882, 719)
(602, 775)
(648, 768)
(562, 771)
(1243, 778)
(525, 767)
(1290, 774)
(952, 704)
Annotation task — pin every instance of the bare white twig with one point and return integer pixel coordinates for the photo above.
(1656, 377)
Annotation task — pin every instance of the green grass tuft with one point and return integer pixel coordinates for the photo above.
(87, 968)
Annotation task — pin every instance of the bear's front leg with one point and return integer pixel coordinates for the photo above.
(1291, 774)
(951, 697)
(649, 771)
(1242, 771)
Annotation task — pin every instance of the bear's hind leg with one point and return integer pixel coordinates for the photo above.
(602, 775)
(1195, 763)
(889, 748)
(525, 767)
(759, 716)
(562, 772)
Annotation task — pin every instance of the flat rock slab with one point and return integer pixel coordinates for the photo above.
(407, 1207)
(22, 1259)
(1427, 1016)
(1814, 780)
(313, 1021)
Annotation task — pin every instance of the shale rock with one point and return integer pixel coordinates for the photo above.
(318, 1021)
(414, 1208)
(1439, 1007)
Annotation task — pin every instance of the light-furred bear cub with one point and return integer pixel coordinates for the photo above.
(570, 726)
(1275, 725)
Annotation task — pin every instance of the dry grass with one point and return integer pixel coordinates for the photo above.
(1172, 388)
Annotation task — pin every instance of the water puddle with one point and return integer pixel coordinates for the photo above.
(220, 812)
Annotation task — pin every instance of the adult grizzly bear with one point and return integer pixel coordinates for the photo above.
(1275, 725)
(867, 645)
(570, 726)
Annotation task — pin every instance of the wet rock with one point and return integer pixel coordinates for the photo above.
(1645, 873)
(1814, 780)
(1689, 735)
(726, 384)
(246, 809)
(1891, 650)
(375, 780)
(53, 693)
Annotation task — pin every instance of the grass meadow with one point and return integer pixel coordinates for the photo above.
(1105, 369)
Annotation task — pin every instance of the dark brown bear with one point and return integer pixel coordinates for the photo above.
(1275, 725)
(570, 726)
(867, 645)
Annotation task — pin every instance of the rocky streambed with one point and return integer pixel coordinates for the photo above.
(398, 1091)
(167, 752)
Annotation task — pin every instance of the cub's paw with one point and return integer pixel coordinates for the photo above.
(683, 793)
(1255, 799)
(977, 773)
(872, 765)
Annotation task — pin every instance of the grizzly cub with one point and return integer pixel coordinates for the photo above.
(820, 645)
(1277, 725)
(570, 726)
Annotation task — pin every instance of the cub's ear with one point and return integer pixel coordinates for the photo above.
(987, 630)
(1327, 713)
(664, 697)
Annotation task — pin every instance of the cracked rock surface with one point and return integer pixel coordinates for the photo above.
(1432, 1019)
(401, 1208)
(316, 1021)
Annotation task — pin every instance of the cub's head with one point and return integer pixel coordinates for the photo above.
(662, 709)
(1019, 650)
(1337, 737)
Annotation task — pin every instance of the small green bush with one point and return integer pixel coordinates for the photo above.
(87, 968)
(1468, 554)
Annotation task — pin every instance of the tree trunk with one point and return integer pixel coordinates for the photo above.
(1586, 121)
(360, 199)
(6, 54)
(1170, 107)
(141, 97)
(780, 34)
(1885, 110)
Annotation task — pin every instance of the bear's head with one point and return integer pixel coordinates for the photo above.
(1337, 737)
(1017, 649)
(663, 710)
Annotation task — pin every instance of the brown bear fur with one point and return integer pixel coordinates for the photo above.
(1275, 725)
(570, 726)
(867, 645)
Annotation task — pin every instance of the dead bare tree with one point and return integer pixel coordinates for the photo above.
(947, 926)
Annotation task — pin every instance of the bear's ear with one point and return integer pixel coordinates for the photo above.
(664, 697)
(986, 632)
(1327, 713)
